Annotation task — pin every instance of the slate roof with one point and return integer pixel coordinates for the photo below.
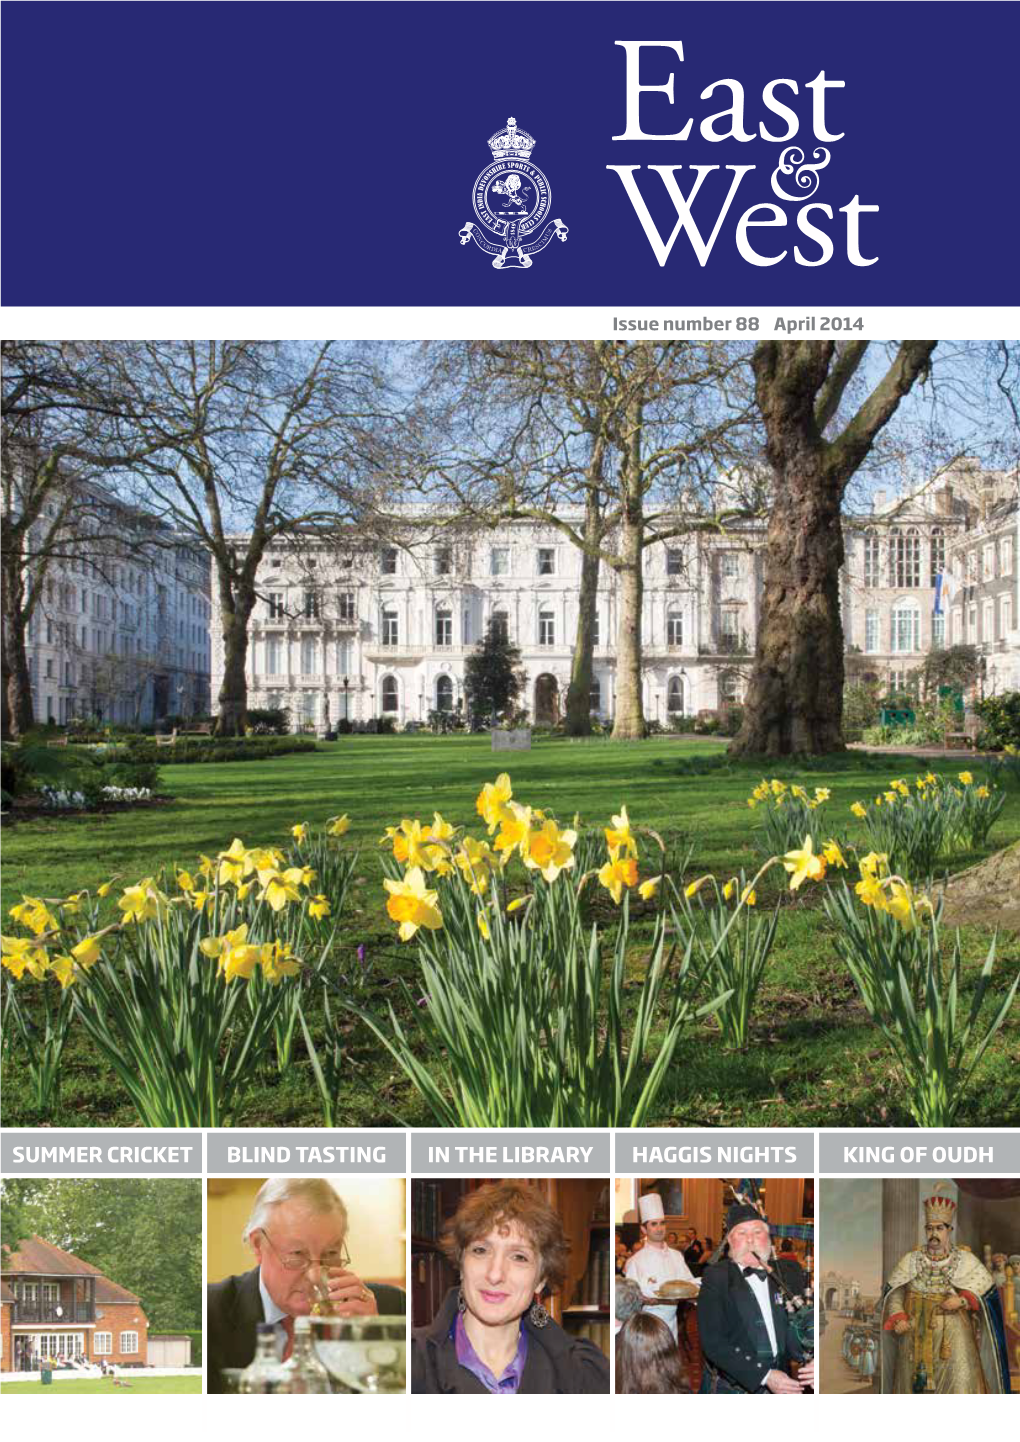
(35, 1257)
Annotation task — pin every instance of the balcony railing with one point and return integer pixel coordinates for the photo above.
(53, 1312)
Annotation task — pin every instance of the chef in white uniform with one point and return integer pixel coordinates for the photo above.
(656, 1263)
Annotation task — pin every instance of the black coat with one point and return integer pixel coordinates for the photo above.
(234, 1310)
(734, 1339)
(557, 1362)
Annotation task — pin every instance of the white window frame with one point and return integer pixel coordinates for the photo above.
(545, 561)
(1006, 556)
(499, 561)
(309, 656)
(675, 687)
(674, 561)
(938, 553)
(988, 561)
(443, 628)
(987, 620)
(906, 625)
(390, 627)
(102, 1344)
(445, 681)
(872, 632)
(938, 632)
(546, 628)
(388, 561)
(384, 686)
(1005, 616)
(729, 565)
(674, 630)
(347, 606)
(442, 561)
(128, 1344)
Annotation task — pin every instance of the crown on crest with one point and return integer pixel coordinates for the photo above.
(511, 141)
(939, 1209)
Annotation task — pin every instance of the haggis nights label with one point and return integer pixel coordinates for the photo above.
(776, 1153)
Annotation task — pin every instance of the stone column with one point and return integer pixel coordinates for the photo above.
(901, 1228)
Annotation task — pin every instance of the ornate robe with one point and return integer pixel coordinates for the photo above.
(945, 1351)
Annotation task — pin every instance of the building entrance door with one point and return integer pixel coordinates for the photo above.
(547, 700)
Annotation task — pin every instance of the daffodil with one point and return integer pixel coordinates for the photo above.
(33, 913)
(804, 865)
(338, 825)
(318, 907)
(265, 862)
(185, 881)
(62, 967)
(300, 832)
(617, 874)
(729, 889)
(483, 924)
(142, 902)
(822, 793)
(752, 802)
(901, 786)
(832, 854)
(475, 861)
(966, 778)
(550, 850)
(281, 887)
(236, 956)
(492, 799)
(869, 891)
(105, 887)
(514, 829)
(21, 953)
(87, 952)
(235, 863)
(899, 903)
(982, 793)
(694, 887)
(277, 961)
(648, 890)
(440, 830)
(409, 843)
(748, 897)
(619, 837)
(516, 904)
(412, 904)
(891, 797)
(874, 866)
(859, 810)
(72, 904)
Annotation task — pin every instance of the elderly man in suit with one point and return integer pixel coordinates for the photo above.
(298, 1233)
(743, 1323)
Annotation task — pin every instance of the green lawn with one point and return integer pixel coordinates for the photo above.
(817, 1060)
(96, 1386)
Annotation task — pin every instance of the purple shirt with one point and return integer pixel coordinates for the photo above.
(467, 1357)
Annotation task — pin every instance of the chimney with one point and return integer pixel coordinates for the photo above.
(878, 502)
(944, 501)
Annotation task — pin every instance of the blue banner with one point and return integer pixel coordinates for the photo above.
(639, 154)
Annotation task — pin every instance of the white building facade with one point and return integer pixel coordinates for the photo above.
(384, 631)
(122, 631)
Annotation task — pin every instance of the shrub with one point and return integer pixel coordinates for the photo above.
(269, 720)
(1001, 717)
(193, 750)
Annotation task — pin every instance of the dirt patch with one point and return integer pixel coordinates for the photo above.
(987, 894)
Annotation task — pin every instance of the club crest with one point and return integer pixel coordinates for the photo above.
(511, 198)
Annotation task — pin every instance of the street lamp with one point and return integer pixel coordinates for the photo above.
(347, 699)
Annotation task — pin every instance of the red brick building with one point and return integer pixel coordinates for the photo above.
(54, 1305)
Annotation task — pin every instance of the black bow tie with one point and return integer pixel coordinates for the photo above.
(758, 1272)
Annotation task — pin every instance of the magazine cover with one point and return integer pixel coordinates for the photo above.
(510, 707)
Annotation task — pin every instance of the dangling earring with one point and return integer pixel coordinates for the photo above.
(537, 1315)
(461, 1304)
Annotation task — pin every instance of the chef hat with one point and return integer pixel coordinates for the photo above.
(650, 1207)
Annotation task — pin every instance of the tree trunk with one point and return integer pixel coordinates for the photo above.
(629, 721)
(794, 705)
(578, 718)
(18, 713)
(233, 696)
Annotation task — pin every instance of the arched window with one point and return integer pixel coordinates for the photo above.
(444, 627)
(906, 558)
(595, 697)
(444, 693)
(390, 702)
(674, 629)
(938, 553)
(871, 558)
(675, 696)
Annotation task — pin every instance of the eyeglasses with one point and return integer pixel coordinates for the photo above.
(301, 1261)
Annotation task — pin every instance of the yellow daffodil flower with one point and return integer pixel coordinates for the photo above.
(412, 904)
(859, 810)
(874, 866)
(277, 961)
(72, 904)
(619, 837)
(318, 907)
(87, 952)
(550, 850)
(832, 854)
(822, 793)
(282, 887)
(185, 881)
(338, 825)
(617, 874)
(492, 800)
(982, 792)
(300, 832)
(966, 778)
(694, 887)
(475, 861)
(516, 904)
(748, 897)
(901, 787)
(752, 803)
(804, 865)
(648, 890)
(33, 913)
(19, 953)
(104, 888)
(869, 891)
(206, 866)
(440, 830)
(729, 889)
(891, 797)
(143, 902)
(483, 925)
(515, 828)
(62, 967)
(798, 793)
(199, 898)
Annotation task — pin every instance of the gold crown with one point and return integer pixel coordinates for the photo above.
(939, 1209)
(511, 141)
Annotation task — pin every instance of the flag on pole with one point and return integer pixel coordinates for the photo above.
(945, 589)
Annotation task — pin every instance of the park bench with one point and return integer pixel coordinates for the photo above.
(965, 740)
(60, 741)
(167, 740)
(201, 728)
